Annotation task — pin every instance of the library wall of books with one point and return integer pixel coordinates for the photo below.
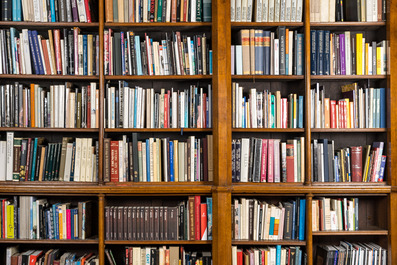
(198, 132)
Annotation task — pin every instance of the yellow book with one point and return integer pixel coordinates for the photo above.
(347, 114)
(10, 221)
(359, 54)
(366, 58)
(294, 121)
(60, 226)
(378, 60)
(351, 115)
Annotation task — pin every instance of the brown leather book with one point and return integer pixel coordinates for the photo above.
(151, 223)
(156, 229)
(107, 223)
(191, 218)
(128, 223)
(106, 144)
(357, 163)
(125, 223)
(109, 10)
(120, 231)
(161, 223)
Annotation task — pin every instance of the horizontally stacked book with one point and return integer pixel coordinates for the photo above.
(158, 159)
(64, 52)
(49, 11)
(28, 217)
(136, 107)
(264, 109)
(266, 10)
(269, 255)
(259, 52)
(346, 53)
(268, 160)
(34, 159)
(158, 11)
(188, 220)
(346, 164)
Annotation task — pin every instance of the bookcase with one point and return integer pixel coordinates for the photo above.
(377, 200)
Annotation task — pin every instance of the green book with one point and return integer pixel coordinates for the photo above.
(159, 10)
(116, 11)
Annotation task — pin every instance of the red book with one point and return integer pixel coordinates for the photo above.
(239, 257)
(89, 107)
(46, 58)
(68, 225)
(173, 11)
(357, 160)
(340, 114)
(270, 161)
(290, 163)
(152, 7)
(87, 11)
(326, 113)
(114, 161)
(344, 114)
(333, 114)
(185, 10)
(264, 160)
(58, 55)
(197, 227)
(166, 110)
(33, 257)
(203, 221)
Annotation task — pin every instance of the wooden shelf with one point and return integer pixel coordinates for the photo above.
(27, 24)
(158, 242)
(49, 130)
(164, 25)
(290, 189)
(158, 188)
(50, 77)
(158, 77)
(270, 130)
(352, 233)
(268, 77)
(350, 25)
(266, 24)
(269, 242)
(354, 130)
(50, 241)
(346, 77)
(369, 188)
(159, 130)
(49, 187)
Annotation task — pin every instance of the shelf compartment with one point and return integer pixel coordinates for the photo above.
(158, 77)
(354, 130)
(50, 241)
(346, 77)
(159, 130)
(352, 233)
(268, 242)
(158, 242)
(50, 77)
(270, 130)
(268, 77)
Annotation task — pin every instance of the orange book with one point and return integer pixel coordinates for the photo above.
(52, 51)
(46, 57)
(109, 10)
(366, 58)
(326, 113)
(32, 106)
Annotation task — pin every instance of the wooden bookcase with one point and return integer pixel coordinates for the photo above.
(222, 189)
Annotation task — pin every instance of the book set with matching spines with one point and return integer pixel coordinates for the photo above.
(266, 10)
(346, 53)
(27, 217)
(158, 159)
(49, 10)
(269, 255)
(348, 10)
(36, 159)
(129, 106)
(55, 106)
(362, 253)
(262, 52)
(188, 220)
(127, 53)
(335, 214)
(268, 160)
(264, 109)
(258, 220)
(349, 164)
(357, 107)
(49, 257)
(131, 11)
(57, 52)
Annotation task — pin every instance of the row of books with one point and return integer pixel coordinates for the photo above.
(137, 107)
(64, 52)
(348, 10)
(158, 159)
(278, 254)
(177, 54)
(49, 11)
(188, 220)
(268, 160)
(49, 257)
(158, 11)
(260, 52)
(357, 108)
(59, 106)
(27, 217)
(264, 109)
(346, 164)
(346, 53)
(161, 256)
(335, 214)
(351, 253)
(266, 10)
(33, 159)
(259, 220)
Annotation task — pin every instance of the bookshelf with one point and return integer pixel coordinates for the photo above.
(222, 189)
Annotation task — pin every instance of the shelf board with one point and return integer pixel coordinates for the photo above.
(49, 187)
(158, 242)
(160, 188)
(50, 130)
(50, 77)
(354, 130)
(151, 25)
(266, 24)
(268, 77)
(50, 241)
(270, 130)
(346, 77)
(348, 25)
(379, 232)
(159, 130)
(30, 24)
(369, 188)
(269, 188)
(158, 77)
(269, 242)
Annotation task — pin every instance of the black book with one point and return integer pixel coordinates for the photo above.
(144, 58)
(178, 10)
(181, 223)
(170, 55)
(164, 11)
(320, 52)
(315, 161)
(257, 160)
(57, 161)
(288, 220)
(331, 161)
(37, 171)
(8, 43)
(325, 255)
(351, 10)
(173, 223)
(161, 223)
(133, 69)
(56, 6)
(62, 10)
(353, 55)
(71, 52)
(135, 156)
(6, 10)
(324, 162)
(238, 160)
(233, 160)
(251, 219)
(67, 47)
(281, 37)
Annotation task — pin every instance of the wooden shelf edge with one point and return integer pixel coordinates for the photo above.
(270, 130)
(49, 241)
(158, 24)
(48, 24)
(346, 77)
(355, 233)
(159, 188)
(26, 129)
(50, 77)
(348, 24)
(266, 24)
(270, 188)
(269, 242)
(364, 188)
(157, 77)
(268, 77)
(160, 130)
(353, 130)
(158, 242)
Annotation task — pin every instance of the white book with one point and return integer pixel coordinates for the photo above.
(62, 91)
(77, 159)
(83, 164)
(232, 10)
(192, 143)
(142, 108)
(368, 8)
(253, 108)
(244, 6)
(190, 54)
(291, 51)
(26, 52)
(331, 8)
(152, 108)
(42, 54)
(3, 160)
(81, 11)
(282, 10)
(239, 60)
(324, 12)
(52, 66)
(121, 161)
(276, 10)
(374, 9)
(174, 110)
(63, 64)
(249, 10)
(316, 6)
(293, 10)
(270, 18)
(88, 168)
(193, 12)
(37, 10)
(181, 154)
(258, 10)
(348, 62)
(126, 111)
(93, 105)
(168, 12)
(276, 57)
(68, 161)
(265, 10)
(299, 11)
(144, 169)
(245, 143)
(10, 155)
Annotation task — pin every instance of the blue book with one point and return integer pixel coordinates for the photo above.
(300, 112)
(19, 10)
(382, 103)
(298, 259)
(302, 214)
(85, 56)
(356, 214)
(147, 160)
(52, 6)
(259, 60)
(294, 221)
(327, 58)
(55, 217)
(171, 154)
(122, 53)
(313, 52)
(278, 255)
(271, 226)
(72, 223)
(13, 49)
(33, 171)
(37, 51)
(138, 54)
(336, 169)
(14, 10)
(266, 53)
(193, 62)
(210, 62)
(377, 104)
(209, 218)
(320, 52)
(33, 53)
(299, 55)
(382, 169)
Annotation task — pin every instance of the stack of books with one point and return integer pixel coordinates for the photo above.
(264, 109)
(268, 255)
(188, 220)
(137, 107)
(158, 159)
(261, 52)
(268, 160)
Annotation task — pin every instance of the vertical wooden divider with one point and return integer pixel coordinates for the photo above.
(101, 229)
(306, 19)
(221, 82)
(309, 229)
(101, 89)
